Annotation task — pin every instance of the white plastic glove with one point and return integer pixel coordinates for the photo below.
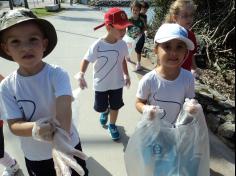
(196, 72)
(43, 130)
(150, 111)
(63, 153)
(191, 105)
(127, 81)
(80, 77)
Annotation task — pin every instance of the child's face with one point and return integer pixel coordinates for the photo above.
(143, 10)
(117, 34)
(26, 44)
(135, 12)
(185, 17)
(172, 53)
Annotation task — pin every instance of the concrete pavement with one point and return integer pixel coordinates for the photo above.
(75, 34)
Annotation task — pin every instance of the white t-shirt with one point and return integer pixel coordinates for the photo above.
(168, 95)
(107, 59)
(34, 97)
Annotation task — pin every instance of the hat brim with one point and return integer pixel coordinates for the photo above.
(122, 25)
(48, 30)
(187, 41)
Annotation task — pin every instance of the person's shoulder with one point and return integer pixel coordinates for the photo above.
(186, 73)
(9, 79)
(149, 75)
(54, 68)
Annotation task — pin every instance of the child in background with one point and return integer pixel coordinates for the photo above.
(11, 166)
(36, 90)
(110, 72)
(168, 84)
(182, 12)
(143, 15)
(137, 31)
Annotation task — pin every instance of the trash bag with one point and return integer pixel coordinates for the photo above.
(131, 43)
(158, 148)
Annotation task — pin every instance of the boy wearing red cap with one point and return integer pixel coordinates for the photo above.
(110, 68)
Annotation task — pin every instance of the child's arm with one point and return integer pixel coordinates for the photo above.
(1, 77)
(64, 112)
(20, 127)
(80, 76)
(126, 73)
(140, 103)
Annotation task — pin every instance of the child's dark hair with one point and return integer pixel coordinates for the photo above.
(145, 4)
(135, 3)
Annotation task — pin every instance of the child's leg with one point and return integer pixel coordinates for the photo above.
(40, 168)
(113, 116)
(116, 102)
(138, 50)
(81, 162)
(5, 159)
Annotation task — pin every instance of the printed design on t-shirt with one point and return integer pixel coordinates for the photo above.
(172, 104)
(106, 57)
(30, 105)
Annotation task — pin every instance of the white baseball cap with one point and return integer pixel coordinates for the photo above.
(169, 31)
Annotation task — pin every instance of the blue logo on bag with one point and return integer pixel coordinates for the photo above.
(156, 149)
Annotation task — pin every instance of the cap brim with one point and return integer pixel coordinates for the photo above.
(122, 25)
(47, 28)
(188, 42)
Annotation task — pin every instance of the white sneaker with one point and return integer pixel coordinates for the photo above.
(12, 171)
(138, 67)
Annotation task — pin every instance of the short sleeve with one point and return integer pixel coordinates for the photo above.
(91, 54)
(61, 82)
(190, 93)
(143, 89)
(9, 106)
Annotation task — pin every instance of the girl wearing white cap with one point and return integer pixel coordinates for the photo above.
(168, 84)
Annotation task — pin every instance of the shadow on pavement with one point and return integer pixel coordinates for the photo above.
(213, 173)
(124, 138)
(95, 168)
(67, 18)
(81, 9)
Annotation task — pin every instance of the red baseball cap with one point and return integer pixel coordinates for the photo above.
(115, 17)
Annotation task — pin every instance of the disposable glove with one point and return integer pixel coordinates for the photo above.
(80, 77)
(150, 111)
(63, 153)
(127, 81)
(191, 105)
(196, 72)
(43, 130)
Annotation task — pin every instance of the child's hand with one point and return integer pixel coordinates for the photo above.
(80, 77)
(150, 111)
(196, 72)
(127, 81)
(191, 105)
(43, 130)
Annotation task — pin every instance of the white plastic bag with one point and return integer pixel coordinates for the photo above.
(158, 148)
(131, 43)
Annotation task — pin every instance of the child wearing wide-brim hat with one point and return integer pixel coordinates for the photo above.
(35, 91)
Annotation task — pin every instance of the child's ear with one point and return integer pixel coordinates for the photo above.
(5, 49)
(45, 44)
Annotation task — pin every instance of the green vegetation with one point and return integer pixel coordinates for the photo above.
(41, 12)
(214, 27)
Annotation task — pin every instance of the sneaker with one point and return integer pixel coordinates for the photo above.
(115, 135)
(14, 170)
(138, 67)
(104, 117)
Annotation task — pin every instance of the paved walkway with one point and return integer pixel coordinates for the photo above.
(75, 34)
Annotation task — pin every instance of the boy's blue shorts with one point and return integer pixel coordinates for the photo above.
(111, 98)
